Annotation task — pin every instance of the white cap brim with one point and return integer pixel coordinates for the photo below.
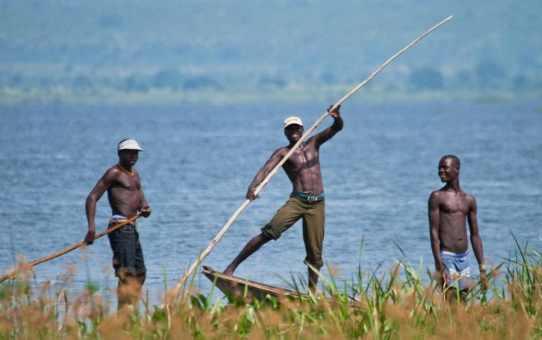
(129, 144)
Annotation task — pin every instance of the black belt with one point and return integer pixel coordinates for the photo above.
(308, 197)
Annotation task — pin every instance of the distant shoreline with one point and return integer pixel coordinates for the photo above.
(59, 96)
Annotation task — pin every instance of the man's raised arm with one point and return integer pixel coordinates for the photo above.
(337, 126)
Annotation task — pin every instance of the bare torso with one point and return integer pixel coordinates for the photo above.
(453, 211)
(303, 168)
(124, 194)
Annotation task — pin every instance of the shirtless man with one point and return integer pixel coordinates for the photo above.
(306, 200)
(126, 198)
(449, 208)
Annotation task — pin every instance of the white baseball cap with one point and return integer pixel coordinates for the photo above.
(129, 144)
(292, 120)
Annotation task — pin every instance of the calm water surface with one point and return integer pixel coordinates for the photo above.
(198, 161)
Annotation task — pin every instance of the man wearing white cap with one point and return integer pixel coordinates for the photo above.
(126, 198)
(306, 200)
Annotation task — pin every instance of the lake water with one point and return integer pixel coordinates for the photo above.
(198, 161)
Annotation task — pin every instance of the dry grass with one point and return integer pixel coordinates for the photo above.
(392, 306)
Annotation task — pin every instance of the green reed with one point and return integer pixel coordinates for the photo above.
(402, 302)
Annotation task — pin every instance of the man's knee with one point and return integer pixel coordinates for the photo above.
(316, 263)
(133, 281)
(129, 289)
(265, 238)
(270, 233)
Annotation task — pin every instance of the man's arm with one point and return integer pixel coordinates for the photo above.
(476, 239)
(264, 171)
(434, 228)
(90, 207)
(337, 126)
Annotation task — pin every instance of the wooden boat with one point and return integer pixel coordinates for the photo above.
(244, 288)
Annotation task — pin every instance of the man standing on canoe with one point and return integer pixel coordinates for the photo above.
(306, 200)
(126, 198)
(449, 208)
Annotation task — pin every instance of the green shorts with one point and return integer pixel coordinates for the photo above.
(313, 215)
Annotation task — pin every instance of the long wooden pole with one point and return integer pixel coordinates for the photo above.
(67, 250)
(177, 289)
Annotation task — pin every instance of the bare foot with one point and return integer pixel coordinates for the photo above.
(228, 271)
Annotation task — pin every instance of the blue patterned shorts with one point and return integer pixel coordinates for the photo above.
(457, 269)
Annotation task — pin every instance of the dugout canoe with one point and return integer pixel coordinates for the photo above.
(237, 286)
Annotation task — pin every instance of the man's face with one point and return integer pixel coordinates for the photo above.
(128, 157)
(447, 169)
(293, 132)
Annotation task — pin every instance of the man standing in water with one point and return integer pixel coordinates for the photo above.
(449, 208)
(306, 200)
(126, 198)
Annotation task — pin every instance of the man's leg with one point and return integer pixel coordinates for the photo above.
(129, 289)
(141, 279)
(313, 280)
(285, 217)
(313, 237)
(251, 247)
(129, 264)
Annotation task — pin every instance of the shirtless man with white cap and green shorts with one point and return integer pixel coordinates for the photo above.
(126, 199)
(306, 200)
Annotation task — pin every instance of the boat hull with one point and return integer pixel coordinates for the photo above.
(243, 288)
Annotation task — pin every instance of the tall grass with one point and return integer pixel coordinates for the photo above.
(376, 304)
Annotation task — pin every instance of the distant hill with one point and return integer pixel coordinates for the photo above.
(156, 51)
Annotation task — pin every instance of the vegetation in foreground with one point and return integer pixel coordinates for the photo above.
(374, 305)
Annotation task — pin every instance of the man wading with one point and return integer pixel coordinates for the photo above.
(126, 198)
(306, 200)
(449, 209)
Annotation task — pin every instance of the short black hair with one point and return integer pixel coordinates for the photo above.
(454, 158)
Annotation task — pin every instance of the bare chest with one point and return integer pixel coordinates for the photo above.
(455, 203)
(301, 159)
(126, 183)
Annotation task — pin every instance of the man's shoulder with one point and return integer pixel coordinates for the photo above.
(467, 194)
(112, 171)
(436, 193)
(114, 168)
(469, 197)
(435, 198)
(282, 151)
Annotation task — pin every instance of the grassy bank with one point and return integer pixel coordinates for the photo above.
(393, 304)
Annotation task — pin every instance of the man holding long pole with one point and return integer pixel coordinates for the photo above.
(180, 284)
(126, 198)
(306, 200)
